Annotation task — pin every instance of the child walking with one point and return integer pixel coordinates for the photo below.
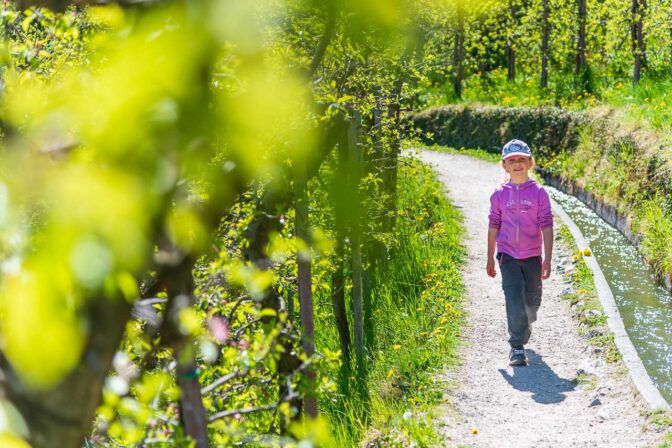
(520, 219)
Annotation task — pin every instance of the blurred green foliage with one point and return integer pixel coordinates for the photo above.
(418, 317)
(137, 136)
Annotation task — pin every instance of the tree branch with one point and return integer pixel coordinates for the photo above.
(325, 39)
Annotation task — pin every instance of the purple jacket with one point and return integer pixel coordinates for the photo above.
(519, 212)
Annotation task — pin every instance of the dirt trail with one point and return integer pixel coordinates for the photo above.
(494, 405)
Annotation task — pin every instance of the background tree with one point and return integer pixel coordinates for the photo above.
(545, 34)
(638, 44)
(581, 67)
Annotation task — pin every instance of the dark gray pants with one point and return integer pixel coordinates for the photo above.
(521, 282)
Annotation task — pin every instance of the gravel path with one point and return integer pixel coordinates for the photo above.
(494, 405)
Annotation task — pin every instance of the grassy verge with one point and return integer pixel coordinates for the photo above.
(585, 303)
(478, 153)
(668, 441)
(661, 420)
(416, 319)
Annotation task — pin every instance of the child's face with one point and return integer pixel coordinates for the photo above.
(517, 167)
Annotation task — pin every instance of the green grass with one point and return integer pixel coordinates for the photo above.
(417, 318)
(648, 103)
(661, 420)
(668, 441)
(587, 381)
(655, 225)
(584, 299)
(478, 153)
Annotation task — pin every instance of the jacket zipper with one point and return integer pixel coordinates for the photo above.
(517, 222)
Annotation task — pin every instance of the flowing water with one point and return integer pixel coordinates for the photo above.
(645, 307)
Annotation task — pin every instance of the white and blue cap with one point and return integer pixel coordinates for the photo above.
(516, 148)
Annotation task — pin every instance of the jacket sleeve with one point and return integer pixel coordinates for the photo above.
(544, 215)
(495, 216)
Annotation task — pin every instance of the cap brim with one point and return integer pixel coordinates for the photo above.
(513, 154)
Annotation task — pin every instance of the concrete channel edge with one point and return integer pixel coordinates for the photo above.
(638, 373)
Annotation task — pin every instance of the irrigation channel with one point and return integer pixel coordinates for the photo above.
(645, 307)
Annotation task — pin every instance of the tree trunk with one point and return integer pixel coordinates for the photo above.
(394, 115)
(355, 159)
(419, 55)
(305, 289)
(458, 52)
(545, 32)
(390, 173)
(367, 312)
(266, 220)
(338, 301)
(637, 30)
(192, 412)
(290, 305)
(379, 166)
(338, 278)
(63, 415)
(178, 283)
(374, 249)
(580, 62)
(670, 31)
(511, 73)
(511, 52)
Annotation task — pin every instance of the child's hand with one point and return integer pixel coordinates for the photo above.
(546, 269)
(490, 267)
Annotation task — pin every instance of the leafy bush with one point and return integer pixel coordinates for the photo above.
(547, 130)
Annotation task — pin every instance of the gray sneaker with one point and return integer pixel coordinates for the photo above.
(517, 357)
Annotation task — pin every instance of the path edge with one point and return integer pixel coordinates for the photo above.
(638, 373)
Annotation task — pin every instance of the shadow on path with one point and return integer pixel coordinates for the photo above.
(546, 386)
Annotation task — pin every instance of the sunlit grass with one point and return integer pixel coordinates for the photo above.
(668, 441)
(416, 318)
(648, 103)
(478, 153)
(584, 299)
